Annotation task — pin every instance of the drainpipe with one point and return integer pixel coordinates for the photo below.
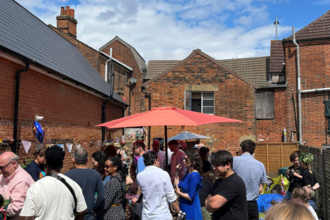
(298, 86)
(315, 90)
(149, 95)
(130, 96)
(111, 95)
(18, 78)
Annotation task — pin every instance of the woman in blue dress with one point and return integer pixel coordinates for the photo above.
(189, 186)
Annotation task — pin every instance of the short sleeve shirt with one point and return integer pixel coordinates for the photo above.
(140, 165)
(308, 178)
(233, 189)
(49, 198)
(252, 172)
(295, 181)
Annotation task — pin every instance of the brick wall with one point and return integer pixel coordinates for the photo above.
(69, 113)
(315, 73)
(124, 55)
(234, 99)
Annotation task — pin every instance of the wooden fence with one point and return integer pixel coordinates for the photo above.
(274, 156)
(321, 168)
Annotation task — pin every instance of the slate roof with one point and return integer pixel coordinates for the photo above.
(138, 58)
(318, 29)
(254, 70)
(26, 35)
(277, 59)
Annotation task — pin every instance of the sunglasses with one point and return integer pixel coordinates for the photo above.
(2, 168)
(107, 167)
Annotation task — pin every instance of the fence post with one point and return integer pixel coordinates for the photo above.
(324, 188)
(267, 156)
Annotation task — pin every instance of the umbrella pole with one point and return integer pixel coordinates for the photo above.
(166, 153)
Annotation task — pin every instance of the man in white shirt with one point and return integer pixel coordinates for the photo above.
(176, 158)
(49, 198)
(157, 190)
(160, 154)
(300, 195)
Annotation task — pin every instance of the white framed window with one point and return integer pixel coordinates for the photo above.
(202, 102)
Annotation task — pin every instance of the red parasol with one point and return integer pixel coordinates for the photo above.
(166, 116)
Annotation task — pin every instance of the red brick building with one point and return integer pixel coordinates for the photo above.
(270, 103)
(57, 82)
(116, 55)
(202, 84)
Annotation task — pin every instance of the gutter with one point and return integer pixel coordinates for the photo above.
(18, 79)
(298, 86)
(104, 105)
(149, 135)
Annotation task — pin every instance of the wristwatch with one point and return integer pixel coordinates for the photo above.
(136, 196)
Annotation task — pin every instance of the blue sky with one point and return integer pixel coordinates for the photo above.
(171, 29)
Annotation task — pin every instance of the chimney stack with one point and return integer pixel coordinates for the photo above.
(66, 21)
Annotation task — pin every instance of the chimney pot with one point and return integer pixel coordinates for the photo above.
(72, 13)
(66, 21)
(67, 9)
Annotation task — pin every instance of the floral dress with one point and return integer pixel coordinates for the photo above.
(114, 194)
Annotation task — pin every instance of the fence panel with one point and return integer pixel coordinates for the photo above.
(316, 168)
(326, 179)
(274, 156)
(321, 168)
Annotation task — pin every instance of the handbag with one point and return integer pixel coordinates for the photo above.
(69, 187)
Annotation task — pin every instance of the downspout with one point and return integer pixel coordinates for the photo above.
(149, 95)
(18, 78)
(130, 96)
(298, 87)
(111, 95)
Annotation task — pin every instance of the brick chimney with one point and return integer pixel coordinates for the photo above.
(66, 22)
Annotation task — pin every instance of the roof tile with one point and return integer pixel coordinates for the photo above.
(254, 69)
(318, 29)
(277, 59)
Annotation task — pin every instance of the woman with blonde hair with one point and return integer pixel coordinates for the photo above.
(289, 211)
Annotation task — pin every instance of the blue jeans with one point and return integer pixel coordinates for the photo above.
(288, 196)
(313, 204)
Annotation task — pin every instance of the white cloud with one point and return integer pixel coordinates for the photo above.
(171, 29)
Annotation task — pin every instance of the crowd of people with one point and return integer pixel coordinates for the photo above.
(193, 182)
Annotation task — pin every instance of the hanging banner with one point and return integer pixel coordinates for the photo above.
(61, 146)
(69, 146)
(91, 144)
(26, 145)
(78, 146)
(38, 145)
(117, 140)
